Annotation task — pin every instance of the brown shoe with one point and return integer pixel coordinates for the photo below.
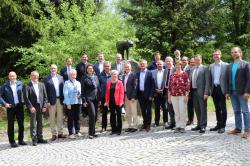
(53, 138)
(246, 134)
(234, 132)
(61, 136)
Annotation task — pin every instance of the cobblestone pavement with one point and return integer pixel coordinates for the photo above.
(157, 147)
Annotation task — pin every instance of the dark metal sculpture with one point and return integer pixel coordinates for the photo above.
(123, 46)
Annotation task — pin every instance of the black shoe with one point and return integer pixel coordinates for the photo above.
(189, 123)
(221, 130)
(143, 127)
(196, 128)
(13, 145)
(133, 130)
(202, 130)
(95, 135)
(113, 132)
(216, 128)
(91, 137)
(170, 127)
(42, 141)
(34, 143)
(128, 130)
(22, 143)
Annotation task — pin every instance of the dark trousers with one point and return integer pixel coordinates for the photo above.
(92, 112)
(170, 110)
(104, 114)
(146, 110)
(36, 124)
(74, 118)
(15, 113)
(200, 106)
(116, 118)
(190, 108)
(160, 101)
(219, 100)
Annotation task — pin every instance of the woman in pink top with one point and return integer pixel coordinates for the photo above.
(179, 86)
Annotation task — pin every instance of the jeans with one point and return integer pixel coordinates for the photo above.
(240, 105)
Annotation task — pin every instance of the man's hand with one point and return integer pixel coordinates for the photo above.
(205, 97)
(246, 96)
(44, 109)
(132, 100)
(49, 105)
(32, 110)
(7, 105)
(227, 96)
(151, 98)
(69, 107)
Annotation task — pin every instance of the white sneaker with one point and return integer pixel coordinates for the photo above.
(79, 134)
(72, 136)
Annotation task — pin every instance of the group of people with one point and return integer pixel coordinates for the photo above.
(175, 86)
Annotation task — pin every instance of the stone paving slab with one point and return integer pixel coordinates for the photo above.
(157, 147)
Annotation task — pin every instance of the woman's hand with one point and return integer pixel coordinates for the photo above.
(68, 106)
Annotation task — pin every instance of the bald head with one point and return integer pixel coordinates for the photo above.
(12, 76)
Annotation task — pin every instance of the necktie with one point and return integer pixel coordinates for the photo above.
(168, 78)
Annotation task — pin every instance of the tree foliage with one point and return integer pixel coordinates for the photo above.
(69, 29)
(191, 26)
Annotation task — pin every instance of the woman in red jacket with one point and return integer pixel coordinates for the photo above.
(114, 101)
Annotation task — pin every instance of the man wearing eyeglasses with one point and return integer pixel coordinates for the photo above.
(238, 78)
(218, 89)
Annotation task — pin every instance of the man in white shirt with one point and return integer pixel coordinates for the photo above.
(11, 97)
(35, 97)
(98, 66)
(159, 99)
(118, 65)
(54, 88)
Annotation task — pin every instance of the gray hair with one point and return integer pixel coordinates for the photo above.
(114, 71)
(73, 71)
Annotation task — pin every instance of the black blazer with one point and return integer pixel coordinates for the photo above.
(149, 84)
(90, 91)
(50, 89)
(242, 78)
(131, 86)
(30, 95)
(6, 94)
(81, 70)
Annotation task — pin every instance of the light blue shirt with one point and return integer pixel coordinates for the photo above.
(14, 91)
(217, 71)
(71, 92)
(234, 70)
(142, 79)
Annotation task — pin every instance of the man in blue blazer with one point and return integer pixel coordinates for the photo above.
(54, 88)
(145, 93)
(66, 70)
(11, 97)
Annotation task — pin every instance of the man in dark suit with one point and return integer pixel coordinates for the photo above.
(159, 98)
(54, 88)
(129, 80)
(98, 66)
(238, 78)
(11, 97)
(167, 72)
(65, 71)
(81, 67)
(200, 82)
(190, 108)
(103, 78)
(145, 93)
(218, 89)
(157, 57)
(118, 65)
(35, 97)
